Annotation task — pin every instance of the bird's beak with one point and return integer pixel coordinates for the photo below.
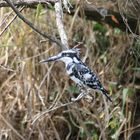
(53, 58)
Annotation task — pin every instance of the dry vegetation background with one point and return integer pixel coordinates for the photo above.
(28, 87)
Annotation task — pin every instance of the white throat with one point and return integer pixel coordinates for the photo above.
(66, 60)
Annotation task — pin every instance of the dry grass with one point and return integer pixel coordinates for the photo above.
(27, 87)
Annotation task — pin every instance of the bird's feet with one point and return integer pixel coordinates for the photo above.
(80, 96)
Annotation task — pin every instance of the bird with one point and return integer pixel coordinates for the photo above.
(78, 71)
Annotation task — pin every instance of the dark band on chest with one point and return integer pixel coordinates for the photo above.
(71, 74)
(69, 66)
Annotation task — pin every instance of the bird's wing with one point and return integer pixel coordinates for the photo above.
(85, 75)
(89, 78)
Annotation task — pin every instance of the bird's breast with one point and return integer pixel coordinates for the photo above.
(72, 74)
(76, 80)
(87, 76)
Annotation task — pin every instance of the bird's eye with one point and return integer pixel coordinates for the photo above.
(65, 54)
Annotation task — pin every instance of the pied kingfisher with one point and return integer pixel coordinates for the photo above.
(78, 71)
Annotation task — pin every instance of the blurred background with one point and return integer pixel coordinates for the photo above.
(108, 47)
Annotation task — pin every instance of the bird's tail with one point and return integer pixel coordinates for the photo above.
(105, 92)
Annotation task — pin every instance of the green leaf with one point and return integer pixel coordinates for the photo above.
(73, 89)
(89, 122)
(117, 31)
(125, 94)
(95, 137)
(50, 6)
(38, 10)
(82, 132)
(136, 68)
(99, 27)
(114, 124)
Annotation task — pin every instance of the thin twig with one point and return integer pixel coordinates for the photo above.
(125, 20)
(6, 68)
(31, 24)
(5, 18)
(39, 88)
(40, 115)
(11, 127)
(11, 21)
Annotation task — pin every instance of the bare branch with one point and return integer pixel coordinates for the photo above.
(6, 68)
(11, 21)
(31, 25)
(60, 26)
(40, 115)
(26, 2)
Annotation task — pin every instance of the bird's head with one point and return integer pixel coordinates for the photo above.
(67, 56)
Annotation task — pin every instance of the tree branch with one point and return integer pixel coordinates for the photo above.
(26, 2)
(91, 12)
(59, 23)
(111, 18)
(32, 26)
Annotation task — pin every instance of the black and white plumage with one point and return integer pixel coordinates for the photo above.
(78, 71)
